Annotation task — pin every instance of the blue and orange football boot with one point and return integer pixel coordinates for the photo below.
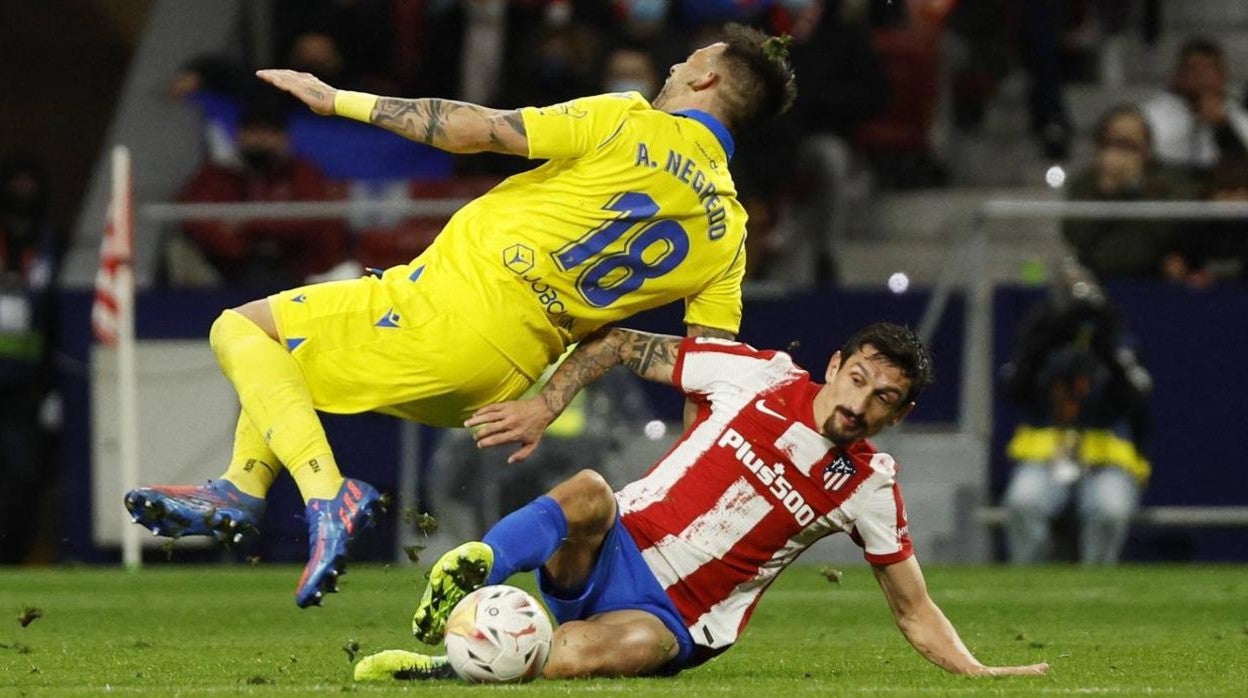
(217, 509)
(332, 525)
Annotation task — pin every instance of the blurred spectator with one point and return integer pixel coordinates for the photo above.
(1112, 20)
(1123, 170)
(648, 25)
(1196, 122)
(209, 72)
(806, 155)
(317, 53)
(1083, 392)
(898, 140)
(1041, 29)
(435, 67)
(348, 43)
(30, 254)
(1216, 250)
(215, 85)
(552, 52)
(980, 33)
(842, 79)
(1054, 40)
(560, 61)
(269, 253)
(631, 70)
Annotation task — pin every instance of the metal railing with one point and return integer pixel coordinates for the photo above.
(1159, 517)
(297, 210)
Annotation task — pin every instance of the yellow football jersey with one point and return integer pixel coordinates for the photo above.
(634, 209)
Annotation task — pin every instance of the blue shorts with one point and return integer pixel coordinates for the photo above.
(621, 580)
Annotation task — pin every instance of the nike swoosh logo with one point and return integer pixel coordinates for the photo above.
(765, 410)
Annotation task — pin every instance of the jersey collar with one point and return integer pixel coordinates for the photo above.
(716, 127)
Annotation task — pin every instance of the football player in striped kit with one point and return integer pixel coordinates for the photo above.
(665, 573)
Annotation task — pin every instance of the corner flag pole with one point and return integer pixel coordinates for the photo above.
(127, 385)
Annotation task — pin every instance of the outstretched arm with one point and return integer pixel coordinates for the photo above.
(456, 127)
(926, 627)
(651, 356)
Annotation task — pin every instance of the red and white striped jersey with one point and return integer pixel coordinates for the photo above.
(749, 487)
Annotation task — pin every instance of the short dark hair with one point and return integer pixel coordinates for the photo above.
(760, 85)
(901, 348)
(1200, 46)
(1113, 114)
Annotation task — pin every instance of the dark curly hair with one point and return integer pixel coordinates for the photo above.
(759, 81)
(901, 348)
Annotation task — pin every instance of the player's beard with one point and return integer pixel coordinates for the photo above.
(841, 434)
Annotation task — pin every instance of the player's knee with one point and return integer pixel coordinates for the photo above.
(587, 501)
(583, 649)
(219, 335)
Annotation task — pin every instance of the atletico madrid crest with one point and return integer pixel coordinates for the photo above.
(838, 473)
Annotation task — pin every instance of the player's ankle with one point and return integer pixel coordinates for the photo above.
(318, 478)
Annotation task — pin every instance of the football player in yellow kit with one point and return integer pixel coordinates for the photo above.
(634, 208)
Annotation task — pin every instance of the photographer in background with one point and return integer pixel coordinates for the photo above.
(1079, 446)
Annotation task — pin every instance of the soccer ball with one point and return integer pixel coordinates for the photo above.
(498, 634)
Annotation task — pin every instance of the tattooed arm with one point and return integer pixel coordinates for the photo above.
(651, 356)
(456, 127)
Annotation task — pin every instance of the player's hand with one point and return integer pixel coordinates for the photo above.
(515, 422)
(1029, 670)
(305, 86)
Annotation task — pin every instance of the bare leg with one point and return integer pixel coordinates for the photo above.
(618, 643)
(589, 505)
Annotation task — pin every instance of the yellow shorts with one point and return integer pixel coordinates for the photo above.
(382, 345)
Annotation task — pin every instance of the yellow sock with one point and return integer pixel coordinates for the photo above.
(275, 397)
(318, 477)
(253, 467)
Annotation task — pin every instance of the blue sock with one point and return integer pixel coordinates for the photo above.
(526, 538)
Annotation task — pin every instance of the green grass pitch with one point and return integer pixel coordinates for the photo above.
(198, 630)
